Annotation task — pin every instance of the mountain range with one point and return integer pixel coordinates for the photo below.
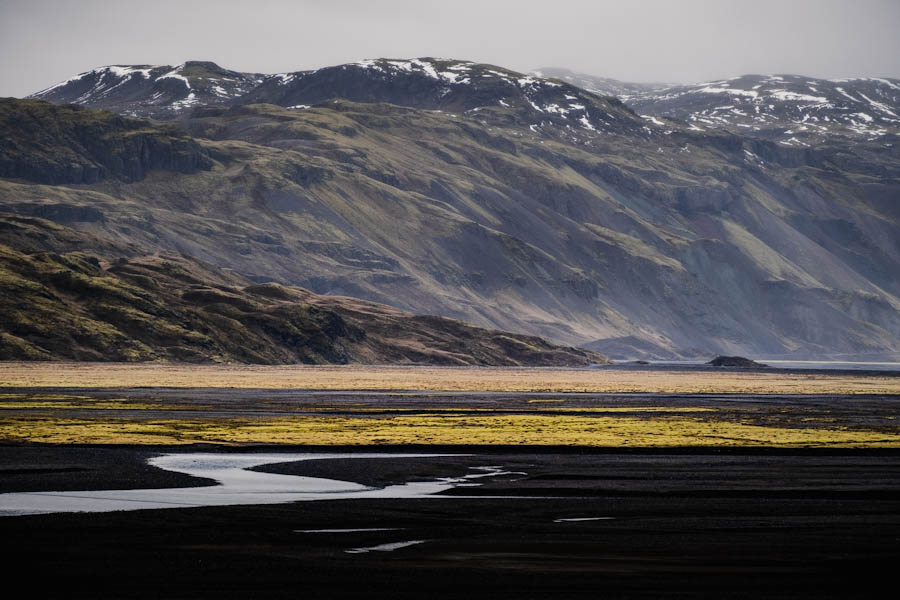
(790, 109)
(657, 224)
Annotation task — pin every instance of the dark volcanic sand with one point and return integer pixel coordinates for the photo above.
(688, 523)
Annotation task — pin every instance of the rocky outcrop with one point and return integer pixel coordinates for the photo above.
(45, 143)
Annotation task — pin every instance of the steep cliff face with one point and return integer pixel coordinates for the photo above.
(44, 143)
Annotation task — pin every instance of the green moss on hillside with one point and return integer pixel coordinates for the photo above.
(73, 305)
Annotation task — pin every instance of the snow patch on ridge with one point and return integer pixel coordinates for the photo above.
(174, 74)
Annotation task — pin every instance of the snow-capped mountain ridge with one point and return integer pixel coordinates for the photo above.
(794, 109)
(482, 91)
(159, 91)
(791, 109)
(455, 86)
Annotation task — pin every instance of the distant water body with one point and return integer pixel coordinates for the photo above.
(826, 365)
(833, 365)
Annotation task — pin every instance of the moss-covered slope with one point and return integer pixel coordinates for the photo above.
(69, 304)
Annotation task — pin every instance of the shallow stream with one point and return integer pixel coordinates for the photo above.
(236, 484)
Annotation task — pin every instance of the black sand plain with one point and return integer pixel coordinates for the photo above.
(737, 523)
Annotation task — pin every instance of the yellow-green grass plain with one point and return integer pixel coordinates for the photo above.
(80, 406)
(507, 430)
(385, 378)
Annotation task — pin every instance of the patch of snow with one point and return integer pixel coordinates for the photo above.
(454, 77)
(124, 71)
(553, 108)
(880, 106)
(886, 82)
(402, 65)
(841, 91)
(427, 67)
(186, 102)
(795, 97)
(173, 74)
(367, 64)
(284, 78)
(724, 90)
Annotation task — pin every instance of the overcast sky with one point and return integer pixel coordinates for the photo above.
(45, 41)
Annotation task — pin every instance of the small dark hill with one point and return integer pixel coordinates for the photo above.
(736, 361)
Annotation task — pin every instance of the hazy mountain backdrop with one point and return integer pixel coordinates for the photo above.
(758, 215)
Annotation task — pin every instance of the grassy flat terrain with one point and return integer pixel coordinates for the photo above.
(103, 375)
(365, 406)
(481, 430)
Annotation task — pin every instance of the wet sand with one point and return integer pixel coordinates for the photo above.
(738, 523)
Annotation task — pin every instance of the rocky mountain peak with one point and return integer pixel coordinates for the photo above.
(158, 91)
(493, 94)
(793, 110)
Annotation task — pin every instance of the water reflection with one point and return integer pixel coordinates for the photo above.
(236, 485)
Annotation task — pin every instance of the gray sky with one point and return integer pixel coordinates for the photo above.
(45, 41)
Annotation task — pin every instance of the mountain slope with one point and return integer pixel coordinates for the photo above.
(67, 304)
(648, 237)
(69, 144)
